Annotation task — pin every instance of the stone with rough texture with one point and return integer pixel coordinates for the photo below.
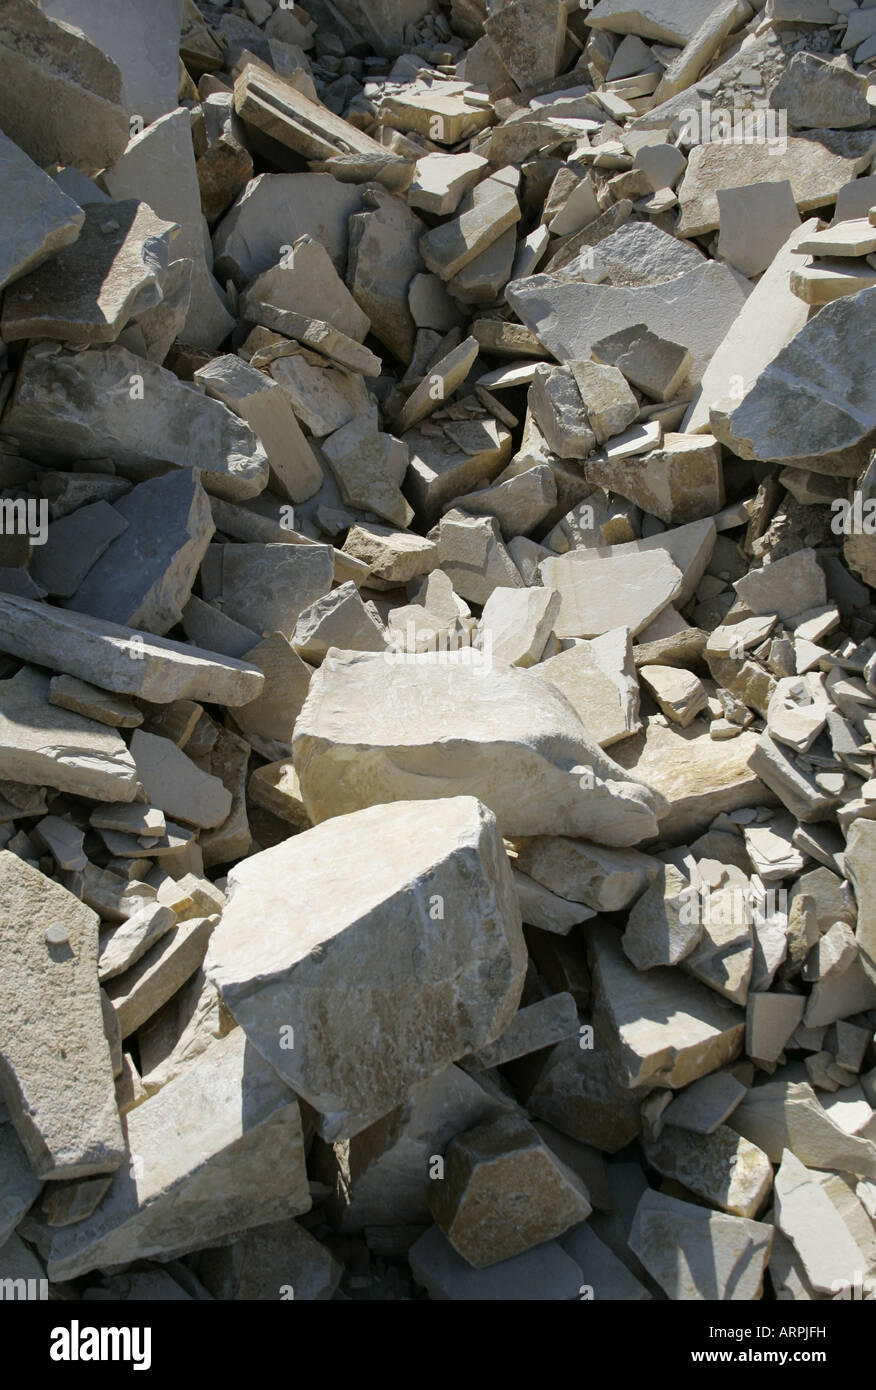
(37, 220)
(813, 397)
(504, 1192)
(62, 97)
(110, 403)
(384, 257)
(599, 591)
(74, 543)
(340, 619)
(784, 1114)
(860, 863)
(306, 281)
(681, 482)
(606, 879)
(158, 166)
(55, 1070)
(217, 1150)
(818, 94)
(175, 784)
(19, 1187)
(469, 975)
(267, 587)
(516, 624)
(48, 746)
(700, 1255)
(145, 577)
(528, 36)
(157, 976)
(695, 310)
(144, 45)
(669, 1030)
(126, 661)
(598, 679)
(273, 211)
(429, 726)
(543, 1273)
(808, 1217)
(668, 21)
(269, 1261)
(723, 1168)
(661, 929)
(360, 456)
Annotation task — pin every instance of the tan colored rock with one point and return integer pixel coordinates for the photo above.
(38, 219)
(175, 784)
(783, 1114)
(216, 1151)
(680, 483)
(516, 624)
(466, 993)
(661, 929)
(807, 1216)
(700, 1255)
(144, 987)
(600, 591)
(606, 879)
(431, 727)
(680, 694)
(722, 1168)
(54, 1056)
(504, 1192)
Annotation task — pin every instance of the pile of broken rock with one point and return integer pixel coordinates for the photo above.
(438, 675)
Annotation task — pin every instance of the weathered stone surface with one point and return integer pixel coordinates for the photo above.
(695, 309)
(393, 557)
(441, 181)
(19, 1187)
(813, 397)
(273, 211)
(723, 1168)
(821, 94)
(281, 1256)
(175, 784)
(144, 46)
(87, 647)
(723, 1258)
(145, 577)
(306, 281)
(669, 1030)
(606, 879)
(266, 408)
(484, 214)
(73, 544)
(661, 930)
(598, 679)
(784, 1114)
(216, 1151)
(158, 166)
(516, 624)
(664, 20)
(109, 402)
(87, 293)
(807, 1216)
(600, 591)
(267, 587)
(384, 257)
(55, 1067)
(48, 746)
(38, 220)
(360, 456)
(433, 727)
(679, 483)
(468, 989)
(148, 984)
(504, 1192)
(707, 1103)
(62, 96)
(860, 863)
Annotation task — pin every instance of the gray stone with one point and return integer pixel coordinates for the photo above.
(384, 257)
(544, 1273)
(54, 1056)
(38, 220)
(107, 402)
(267, 587)
(700, 1255)
(73, 544)
(528, 36)
(144, 45)
(816, 93)
(273, 211)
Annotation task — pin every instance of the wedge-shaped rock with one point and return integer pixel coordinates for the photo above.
(516, 624)
(814, 397)
(682, 482)
(444, 467)
(279, 984)
(144, 45)
(62, 98)
(816, 174)
(818, 94)
(695, 310)
(87, 293)
(766, 323)
(723, 1168)
(665, 20)
(662, 928)
(441, 180)
(384, 257)
(110, 403)
(51, 747)
(124, 660)
(175, 784)
(281, 1255)
(158, 166)
(807, 1216)
(267, 587)
(600, 591)
(340, 619)
(579, 1092)
(265, 407)
(669, 1030)
(470, 552)
(361, 458)
(504, 1192)
(217, 1150)
(428, 726)
(55, 1070)
(700, 1255)
(37, 220)
(157, 976)
(393, 557)
(74, 543)
(273, 106)
(306, 280)
(785, 1114)
(484, 214)
(144, 579)
(598, 679)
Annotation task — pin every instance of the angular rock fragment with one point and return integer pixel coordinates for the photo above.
(723, 1257)
(432, 728)
(38, 219)
(469, 978)
(681, 482)
(54, 1058)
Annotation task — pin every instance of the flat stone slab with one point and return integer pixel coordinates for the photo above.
(37, 220)
(293, 980)
(700, 1255)
(124, 660)
(52, 747)
(55, 1069)
(695, 310)
(215, 1151)
(433, 727)
(110, 403)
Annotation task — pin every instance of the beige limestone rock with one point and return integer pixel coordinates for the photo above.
(680, 694)
(679, 483)
(217, 1150)
(469, 973)
(516, 624)
(504, 1192)
(175, 784)
(700, 1255)
(605, 879)
(722, 1168)
(661, 930)
(598, 679)
(431, 725)
(138, 993)
(55, 1067)
(600, 591)
(807, 1216)
(784, 1114)
(38, 219)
